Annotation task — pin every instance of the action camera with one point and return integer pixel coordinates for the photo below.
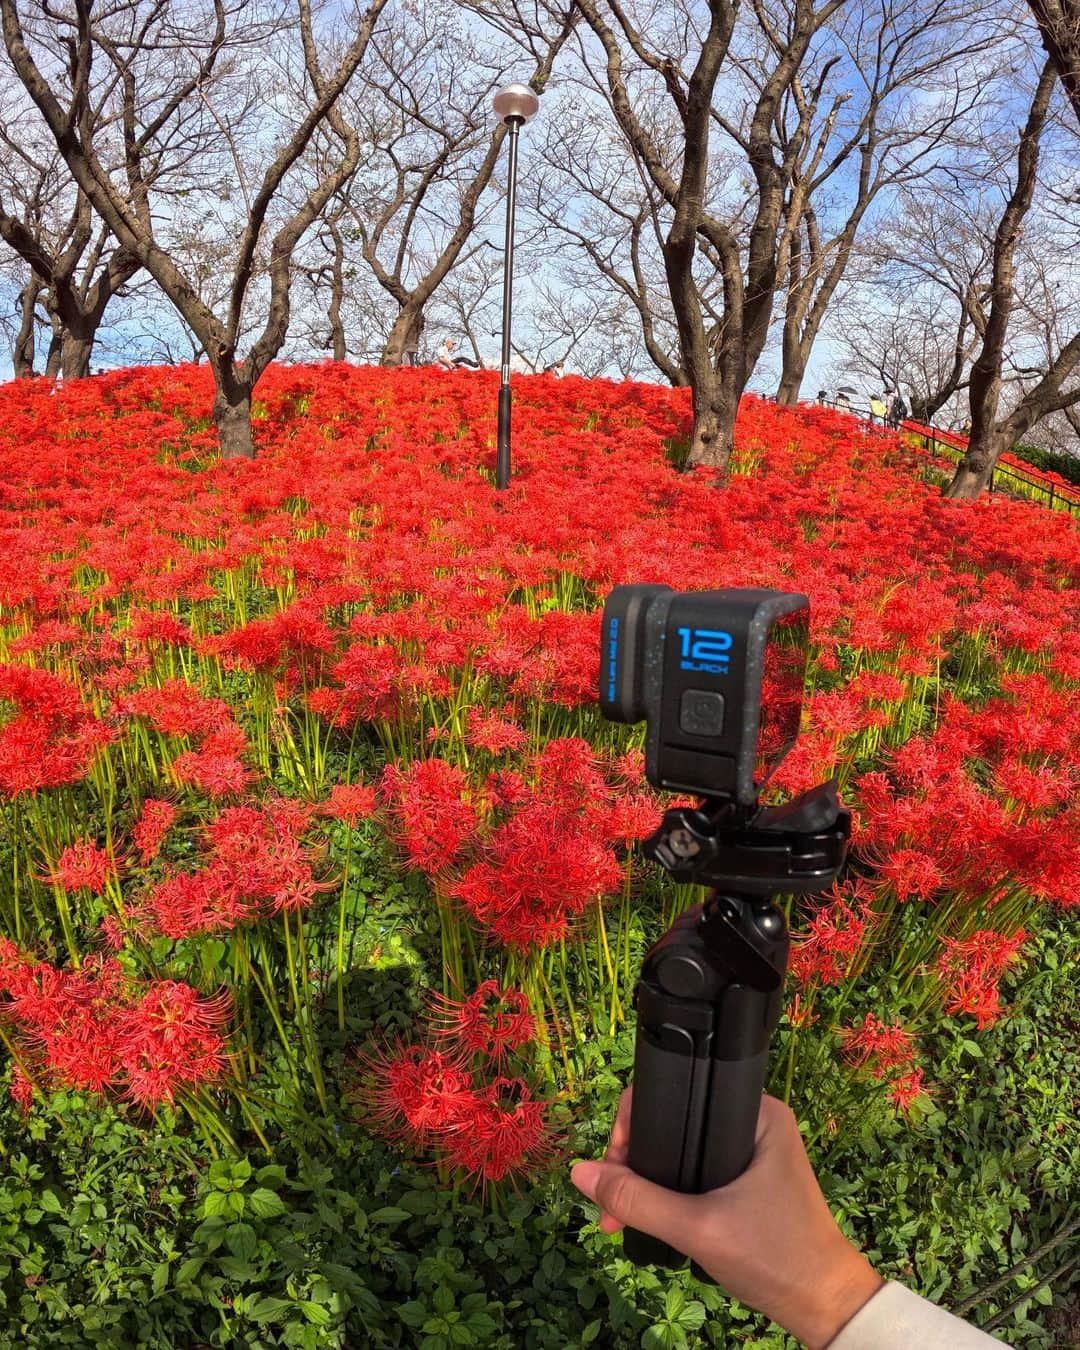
(717, 676)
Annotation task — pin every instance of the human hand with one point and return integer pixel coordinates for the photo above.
(768, 1237)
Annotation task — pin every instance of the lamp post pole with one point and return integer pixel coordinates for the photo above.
(514, 105)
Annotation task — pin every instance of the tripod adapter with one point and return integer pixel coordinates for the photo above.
(711, 989)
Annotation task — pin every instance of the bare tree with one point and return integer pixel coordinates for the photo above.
(720, 358)
(607, 230)
(76, 266)
(900, 91)
(1059, 27)
(1051, 388)
(157, 64)
(422, 110)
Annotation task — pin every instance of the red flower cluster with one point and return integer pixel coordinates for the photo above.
(970, 969)
(52, 738)
(89, 1029)
(492, 1128)
(83, 866)
(195, 621)
(256, 862)
(882, 1048)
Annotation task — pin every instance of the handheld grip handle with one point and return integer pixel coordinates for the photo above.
(694, 1115)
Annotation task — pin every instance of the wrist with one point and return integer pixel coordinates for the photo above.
(845, 1283)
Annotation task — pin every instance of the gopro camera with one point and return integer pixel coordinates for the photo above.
(717, 676)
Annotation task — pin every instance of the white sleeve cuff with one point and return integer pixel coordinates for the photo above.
(897, 1319)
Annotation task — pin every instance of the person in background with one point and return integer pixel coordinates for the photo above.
(556, 368)
(445, 357)
(823, 396)
(843, 403)
(897, 410)
(877, 410)
(769, 1239)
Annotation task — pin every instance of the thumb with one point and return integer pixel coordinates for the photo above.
(637, 1203)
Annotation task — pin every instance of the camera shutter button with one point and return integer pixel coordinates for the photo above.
(701, 712)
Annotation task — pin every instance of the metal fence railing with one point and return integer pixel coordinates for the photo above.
(1010, 474)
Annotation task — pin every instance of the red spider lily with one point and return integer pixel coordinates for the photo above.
(970, 969)
(171, 1039)
(93, 1031)
(904, 1091)
(825, 945)
(490, 1023)
(877, 1045)
(22, 1090)
(349, 802)
(406, 595)
(176, 708)
(503, 1135)
(83, 866)
(155, 821)
(413, 1092)
(256, 863)
(431, 815)
(493, 733)
(215, 775)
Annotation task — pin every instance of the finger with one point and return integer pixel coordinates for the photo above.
(631, 1200)
(618, 1149)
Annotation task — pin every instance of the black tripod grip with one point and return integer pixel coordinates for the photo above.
(668, 1083)
(699, 1071)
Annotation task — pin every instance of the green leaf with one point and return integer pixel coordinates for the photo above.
(160, 1279)
(217, 1202)
(266, 1204)
(315, 1313)
(268, 1308)
(692, 1316)
(50, 1202)
(413, 1314)
(390, 1214)
(443, 1299)
(241, 1240)
(187, 1272)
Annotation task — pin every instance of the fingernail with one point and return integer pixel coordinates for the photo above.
(585, 1176)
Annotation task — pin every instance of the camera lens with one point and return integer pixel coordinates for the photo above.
(622, 651)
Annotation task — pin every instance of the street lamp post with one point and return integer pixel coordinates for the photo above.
(513, 105)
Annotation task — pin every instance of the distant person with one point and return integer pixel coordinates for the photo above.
(897, 410)
(556, 368)
(843, 403)
(877, 410)
(823, 396)
(445, 357)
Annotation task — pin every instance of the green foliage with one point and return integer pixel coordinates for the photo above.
(1050, 461)
(156, 1243)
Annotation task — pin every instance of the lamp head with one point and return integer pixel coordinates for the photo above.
(515, 103)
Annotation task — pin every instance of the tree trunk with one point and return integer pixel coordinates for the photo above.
(23, 350)
(975, 470)
(232, 416)
(394, 352)
(787, 395)
(713, 437)
(56, 349)
(75, 356)
(337, 294)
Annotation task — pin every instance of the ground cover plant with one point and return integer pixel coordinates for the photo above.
(321, 916)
